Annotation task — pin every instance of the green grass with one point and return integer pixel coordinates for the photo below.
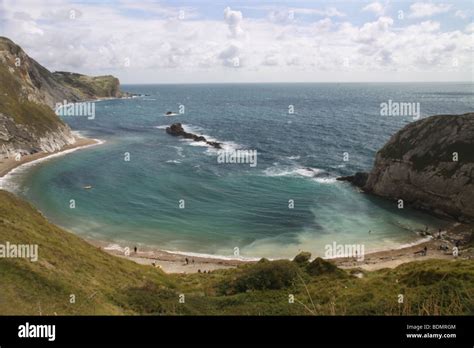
(105, 284)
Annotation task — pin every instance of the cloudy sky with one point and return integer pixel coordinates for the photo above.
(152, 41)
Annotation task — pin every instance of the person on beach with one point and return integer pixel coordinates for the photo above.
(425, 251)
(186, 260)
(135, 249)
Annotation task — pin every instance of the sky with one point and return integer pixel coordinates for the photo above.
(217, 41)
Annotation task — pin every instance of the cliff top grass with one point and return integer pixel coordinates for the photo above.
(89, 86)
(105, 284)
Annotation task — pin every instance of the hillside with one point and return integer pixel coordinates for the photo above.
(28, 94)
(429, 164)
(104, 284)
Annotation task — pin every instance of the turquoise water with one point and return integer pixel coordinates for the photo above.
(235, 205)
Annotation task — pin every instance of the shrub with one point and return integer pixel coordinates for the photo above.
(302, 258)
(266, 275)
(320, 267)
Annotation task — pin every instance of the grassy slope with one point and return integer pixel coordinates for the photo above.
(104, 284)
(39, 117)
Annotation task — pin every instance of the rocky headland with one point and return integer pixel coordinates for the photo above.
(429, 164)
(28, 94)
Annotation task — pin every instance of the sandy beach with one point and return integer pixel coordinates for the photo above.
(390, 258)
(6, 165)
(170, 262)
(167, 261)
(457, 234)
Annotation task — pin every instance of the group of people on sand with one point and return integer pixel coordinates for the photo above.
(186, 262)
(443, 247)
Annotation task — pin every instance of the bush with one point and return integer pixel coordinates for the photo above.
(302, 258)
(320, 267)
(266, 275)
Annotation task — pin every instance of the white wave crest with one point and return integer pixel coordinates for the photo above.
(307, 172)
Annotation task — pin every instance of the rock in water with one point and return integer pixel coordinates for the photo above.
(359, 179)
(176, 129)
(429, 164)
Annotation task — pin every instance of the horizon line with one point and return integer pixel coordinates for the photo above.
(286, 82)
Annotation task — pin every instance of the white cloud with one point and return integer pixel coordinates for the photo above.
(372, 31)
(230, 56)
(233, 20)
(470, 28)
(423, 9)
(461, 14)
(327, 12)
(375, 7)
(163, 48)
(270, 60)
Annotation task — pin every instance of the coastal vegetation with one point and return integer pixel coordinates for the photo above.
(72, 277)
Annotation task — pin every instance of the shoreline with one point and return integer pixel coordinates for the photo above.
(456, 234)
(10, 166)
(175, 262)
(168, 261)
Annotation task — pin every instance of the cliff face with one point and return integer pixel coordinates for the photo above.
(28, 94)
(430, 165)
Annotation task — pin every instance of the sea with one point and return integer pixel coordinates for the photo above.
(143, 187)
